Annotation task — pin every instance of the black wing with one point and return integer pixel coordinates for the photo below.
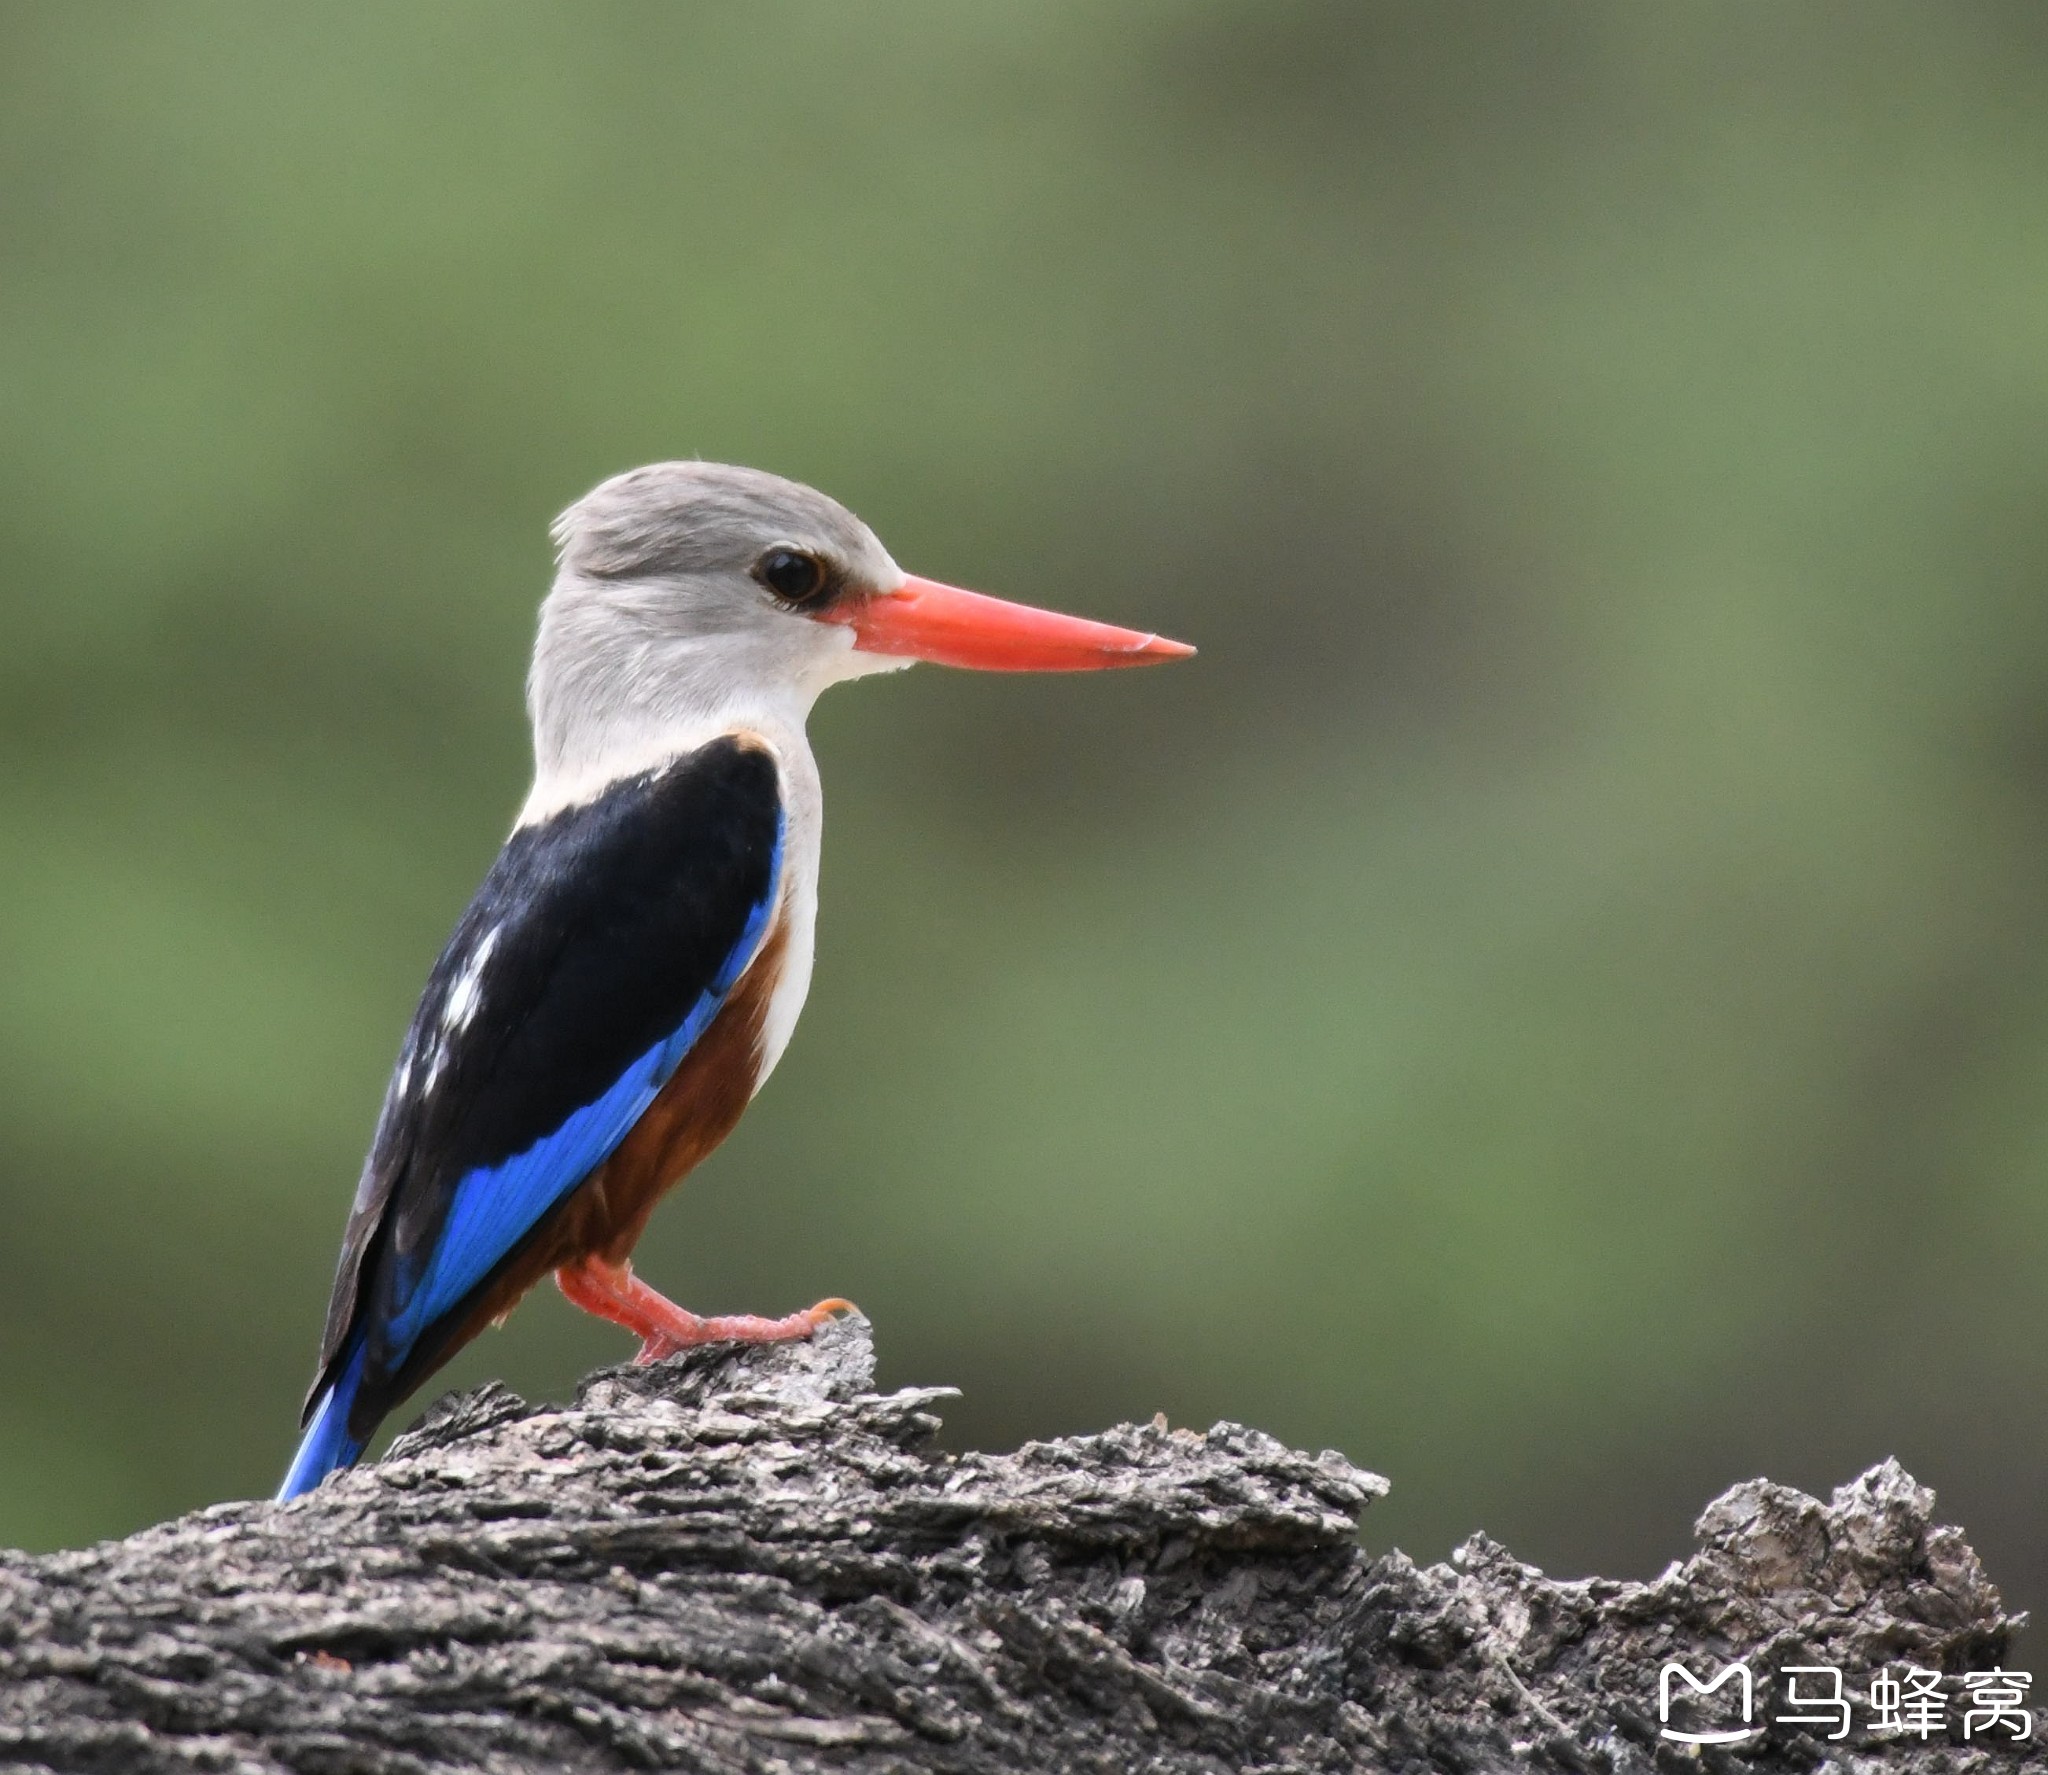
(596, 951)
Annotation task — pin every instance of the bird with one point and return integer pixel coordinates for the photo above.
(633, 964)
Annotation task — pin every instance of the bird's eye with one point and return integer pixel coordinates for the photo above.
(796, 578)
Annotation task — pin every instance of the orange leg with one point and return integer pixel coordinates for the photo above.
(613, 1292)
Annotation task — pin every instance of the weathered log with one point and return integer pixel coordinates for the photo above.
(747, 1560)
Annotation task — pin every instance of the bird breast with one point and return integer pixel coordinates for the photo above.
(802, 833)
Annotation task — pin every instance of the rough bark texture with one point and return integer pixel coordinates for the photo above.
(746, 1560)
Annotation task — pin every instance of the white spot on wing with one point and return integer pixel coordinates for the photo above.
(465, 998)
(468, 991)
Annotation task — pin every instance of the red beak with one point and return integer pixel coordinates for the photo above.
(922, 619)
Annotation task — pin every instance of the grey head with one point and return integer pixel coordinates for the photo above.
(706, 522)
(689, 596)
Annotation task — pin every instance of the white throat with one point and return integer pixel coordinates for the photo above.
(578, 761)
(611, 697)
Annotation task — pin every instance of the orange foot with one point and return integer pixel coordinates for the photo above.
(613, 1292)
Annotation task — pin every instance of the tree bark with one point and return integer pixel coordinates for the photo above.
(745, 1559)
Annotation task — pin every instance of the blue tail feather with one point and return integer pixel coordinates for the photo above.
(327, 1443)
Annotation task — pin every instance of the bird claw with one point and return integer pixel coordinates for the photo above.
(739, 1328)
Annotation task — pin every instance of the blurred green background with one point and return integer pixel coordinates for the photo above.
(1551, 1002)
